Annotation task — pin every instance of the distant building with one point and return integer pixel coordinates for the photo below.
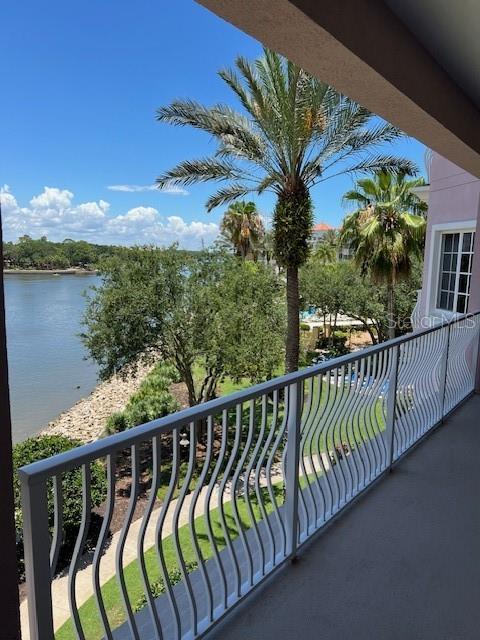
(320, 230)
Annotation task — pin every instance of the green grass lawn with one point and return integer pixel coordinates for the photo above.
(88, 611)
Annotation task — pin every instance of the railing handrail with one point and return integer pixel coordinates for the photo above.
(43, 469)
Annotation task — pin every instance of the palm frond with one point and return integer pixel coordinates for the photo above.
(203, 170)
(228, 194)
(373, 163)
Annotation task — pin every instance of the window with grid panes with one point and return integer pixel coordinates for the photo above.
(455, 271)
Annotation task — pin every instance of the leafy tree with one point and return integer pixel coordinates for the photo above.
(294, 132)
(387, 231)
(340, 288)
(208, 312)
(80, 253)
(242, 229)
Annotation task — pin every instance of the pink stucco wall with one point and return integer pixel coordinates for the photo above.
(454, 198)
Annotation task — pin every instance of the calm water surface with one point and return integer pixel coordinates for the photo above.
(48, 372)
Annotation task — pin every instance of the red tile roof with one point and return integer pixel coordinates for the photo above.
(322, 226)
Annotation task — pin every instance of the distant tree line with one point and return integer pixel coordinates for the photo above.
(28, 253)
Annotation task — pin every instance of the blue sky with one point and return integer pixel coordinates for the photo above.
(81, 83)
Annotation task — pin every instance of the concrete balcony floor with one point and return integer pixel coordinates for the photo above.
(402, 563)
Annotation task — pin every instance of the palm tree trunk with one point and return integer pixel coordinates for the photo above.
(292, 224)
(390, 311)
(293, 321)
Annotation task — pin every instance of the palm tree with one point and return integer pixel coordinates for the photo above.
(267, 246)
(387, 231)
(331, 237)
(242, 228)
(293, 132)
(325, 252)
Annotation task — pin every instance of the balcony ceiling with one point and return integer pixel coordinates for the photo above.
(449, 30)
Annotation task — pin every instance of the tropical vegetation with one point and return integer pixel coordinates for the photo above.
(291, 133)
(387, 231)
(242, 229)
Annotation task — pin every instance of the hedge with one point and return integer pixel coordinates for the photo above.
(45, 446)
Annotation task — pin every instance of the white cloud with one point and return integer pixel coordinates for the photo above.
(172, 190)
(53, 213)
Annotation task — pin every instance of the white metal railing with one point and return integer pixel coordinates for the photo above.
(239, 483)
(416, 317)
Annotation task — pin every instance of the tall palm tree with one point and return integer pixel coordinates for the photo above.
(387, 231)
(243, 229)
(293, 132)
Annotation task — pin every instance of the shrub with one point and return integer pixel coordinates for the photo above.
(158, 587)
(38, 448)
(149, 407)
(336, 340)
(151, 400)
(116, 422)
(304, 326)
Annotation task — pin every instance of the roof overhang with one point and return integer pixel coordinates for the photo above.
(422, 192)
(367, 51)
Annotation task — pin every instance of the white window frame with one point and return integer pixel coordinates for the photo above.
(437, 231)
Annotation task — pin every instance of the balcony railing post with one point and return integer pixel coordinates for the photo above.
(391, 406)
(443, 374)
(476, 359)
(292, 467)
(36, 540)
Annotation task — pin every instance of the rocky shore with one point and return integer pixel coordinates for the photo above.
(85, 421)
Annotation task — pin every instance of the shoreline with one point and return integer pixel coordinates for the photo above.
(71, 271)
(85, 420)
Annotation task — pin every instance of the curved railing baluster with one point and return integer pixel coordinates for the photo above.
(271, 457)
(191, 519)
(223, 520)
(157, 628)
(132, 503)
(77, 552)
(258, 472)
(100, 546)
(248, 472)
(270, 444)
(207, 510)
(233, 493)
(176, 526)
(159, 533)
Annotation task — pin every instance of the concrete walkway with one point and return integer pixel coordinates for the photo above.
(402, 564)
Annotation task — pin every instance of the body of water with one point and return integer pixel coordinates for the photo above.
(47, 369)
